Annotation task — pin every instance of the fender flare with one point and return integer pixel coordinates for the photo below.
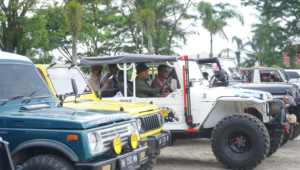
(48, 144)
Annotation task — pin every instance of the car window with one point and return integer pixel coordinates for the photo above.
(20, 80)
(60, 78)
(293, 75)
(270, 76)
(231, 69)
(194, 68)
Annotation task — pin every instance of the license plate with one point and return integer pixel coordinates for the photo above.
(163, 141)
(129, 162)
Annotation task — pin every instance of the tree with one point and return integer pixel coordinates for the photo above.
(145, 19)
(74, 13)
(253, 55)
(215, 18)
(240, 48)
(21, 28)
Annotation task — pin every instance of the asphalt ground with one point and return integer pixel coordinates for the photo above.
(196, 154)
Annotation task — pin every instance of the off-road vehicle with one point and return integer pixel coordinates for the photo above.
(44, 135)
(194, 109)
(149, 118)
(237, 79)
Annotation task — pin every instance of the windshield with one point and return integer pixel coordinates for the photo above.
(231, 69)
(20, 80)
(61, 80)
(207, 68)
(194, 68)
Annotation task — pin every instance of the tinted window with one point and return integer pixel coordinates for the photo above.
(269, 76)
(20, 80)
(293, 75)
(61, 80)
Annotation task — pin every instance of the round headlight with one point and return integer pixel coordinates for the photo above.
(139, 124)
(117, 145)
(93, 141)
(134, 140)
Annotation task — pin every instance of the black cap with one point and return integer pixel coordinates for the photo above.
(141, 67)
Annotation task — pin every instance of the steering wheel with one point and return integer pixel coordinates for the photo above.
(167, 89)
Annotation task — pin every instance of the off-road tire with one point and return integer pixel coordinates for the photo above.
(253, 129)
(287, 136)
(46, 162)
(296, 132)
(151, 162)
(275, 144)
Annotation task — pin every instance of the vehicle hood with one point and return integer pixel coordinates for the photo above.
(60, 118)
(274, 89)
(135, 109)
(212, 94)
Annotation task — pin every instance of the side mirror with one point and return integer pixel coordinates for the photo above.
(98, 94)
(74, 86)
(75, 89)
(174, 84)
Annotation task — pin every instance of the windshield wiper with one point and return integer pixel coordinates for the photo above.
(13, 98)
(30, 96)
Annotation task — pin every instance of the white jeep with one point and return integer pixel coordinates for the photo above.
(236, 120)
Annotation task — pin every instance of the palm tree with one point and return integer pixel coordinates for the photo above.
(254, 55)
(240, 48)
(145, 18)
(214, 18)
(74, 13)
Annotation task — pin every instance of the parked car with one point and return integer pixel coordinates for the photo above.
(43, 134)
(149, 118)
(193, 109)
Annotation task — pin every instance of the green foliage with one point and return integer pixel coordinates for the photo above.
(275, 66)
(74, 13)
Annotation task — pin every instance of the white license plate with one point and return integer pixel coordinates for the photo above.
(129, 160)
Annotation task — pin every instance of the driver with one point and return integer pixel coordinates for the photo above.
(163, 72)
(205, 74)
(143, 89)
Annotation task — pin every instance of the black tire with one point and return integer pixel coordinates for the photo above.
(287, 136)
(249, 149)
(151, 162)
(46, 162)
(275, 144)
(296, 132)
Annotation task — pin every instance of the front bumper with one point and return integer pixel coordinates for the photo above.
(157, 141)
(120, 162)
(276, 125)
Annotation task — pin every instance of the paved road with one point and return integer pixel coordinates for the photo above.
(196, 154)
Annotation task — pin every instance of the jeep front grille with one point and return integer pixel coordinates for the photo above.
(108, 135)
(151, 122)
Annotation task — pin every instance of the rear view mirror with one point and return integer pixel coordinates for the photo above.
(174, 84)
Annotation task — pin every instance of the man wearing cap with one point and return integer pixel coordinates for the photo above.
(94, 79)
(143, 89)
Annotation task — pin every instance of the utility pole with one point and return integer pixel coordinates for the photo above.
(227, 52)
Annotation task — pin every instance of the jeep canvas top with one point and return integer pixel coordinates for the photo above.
(240, 139)
(38, 128)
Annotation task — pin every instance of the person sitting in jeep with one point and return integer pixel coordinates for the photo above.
(205, 74)
(112, 88)
(93, 79)
(163, 72)
(143, 88)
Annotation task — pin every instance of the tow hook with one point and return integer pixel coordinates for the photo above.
(287, 129)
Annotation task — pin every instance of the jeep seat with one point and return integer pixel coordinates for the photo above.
(121, 84)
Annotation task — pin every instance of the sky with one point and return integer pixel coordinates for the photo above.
(201, 43)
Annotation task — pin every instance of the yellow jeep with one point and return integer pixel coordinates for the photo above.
(149, 118)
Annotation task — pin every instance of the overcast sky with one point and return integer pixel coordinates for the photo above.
(201, 43)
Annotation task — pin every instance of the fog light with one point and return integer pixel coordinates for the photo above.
(106, 167)
(146, 144)
(134, 141)
(117, 145)
(142, 154)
